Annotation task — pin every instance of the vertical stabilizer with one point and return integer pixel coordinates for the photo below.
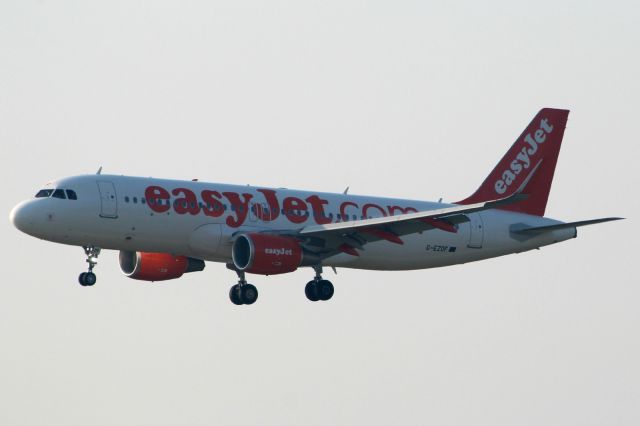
(528, 165)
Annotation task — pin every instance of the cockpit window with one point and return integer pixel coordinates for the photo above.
(59, 193)
(44, 193)
(71, 194)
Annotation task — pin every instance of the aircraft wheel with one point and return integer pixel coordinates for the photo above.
(90, 279)
(87, 279)
(311, 291)
(249, 294)
(234, 295)
(325, 290)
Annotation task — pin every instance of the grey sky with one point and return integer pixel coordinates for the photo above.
(408, 99)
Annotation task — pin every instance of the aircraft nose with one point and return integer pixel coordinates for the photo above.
(22, 216)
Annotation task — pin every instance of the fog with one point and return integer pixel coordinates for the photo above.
(406, 99)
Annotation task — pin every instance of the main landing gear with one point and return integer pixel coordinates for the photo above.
(87, 279)
(318, 289)
(243, 293)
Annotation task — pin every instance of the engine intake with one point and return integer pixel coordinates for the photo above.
(157, 266)
(266, 254)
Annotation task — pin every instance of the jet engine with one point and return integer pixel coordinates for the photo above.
(157, 266)
(266, 254)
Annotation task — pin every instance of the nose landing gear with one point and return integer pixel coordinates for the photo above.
(87, 279)
(318, 289)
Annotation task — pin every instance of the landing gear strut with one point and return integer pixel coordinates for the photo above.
(87, 279)
(243, 293)
(318, 289)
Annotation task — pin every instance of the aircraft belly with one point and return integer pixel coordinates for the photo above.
(419, 251)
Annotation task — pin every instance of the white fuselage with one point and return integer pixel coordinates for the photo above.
(200, 220)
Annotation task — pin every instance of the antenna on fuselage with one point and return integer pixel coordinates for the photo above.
(346, 190)
(99, 171)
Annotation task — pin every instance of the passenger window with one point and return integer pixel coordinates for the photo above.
(143, 201)
(44, 193)
(126, 199)
(135, 200)
(59, 193)
(71, 194)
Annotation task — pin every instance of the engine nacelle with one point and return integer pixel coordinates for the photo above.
(157, 266)
(266, 254)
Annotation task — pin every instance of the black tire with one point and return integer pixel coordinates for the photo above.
(81, 279)
(249, 294)
(311, 291)
(90, 279)
(234, 295)
(325, 290)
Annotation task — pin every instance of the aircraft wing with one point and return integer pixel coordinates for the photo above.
(448, 212)
(332, 238)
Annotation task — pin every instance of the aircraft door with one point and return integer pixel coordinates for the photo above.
(476, 227)
(108, 200)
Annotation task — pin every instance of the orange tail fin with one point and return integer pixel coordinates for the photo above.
(531, 161)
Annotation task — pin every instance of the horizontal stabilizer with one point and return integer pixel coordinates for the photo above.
(565, 225)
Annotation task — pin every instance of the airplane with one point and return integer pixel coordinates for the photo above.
(165, 228)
